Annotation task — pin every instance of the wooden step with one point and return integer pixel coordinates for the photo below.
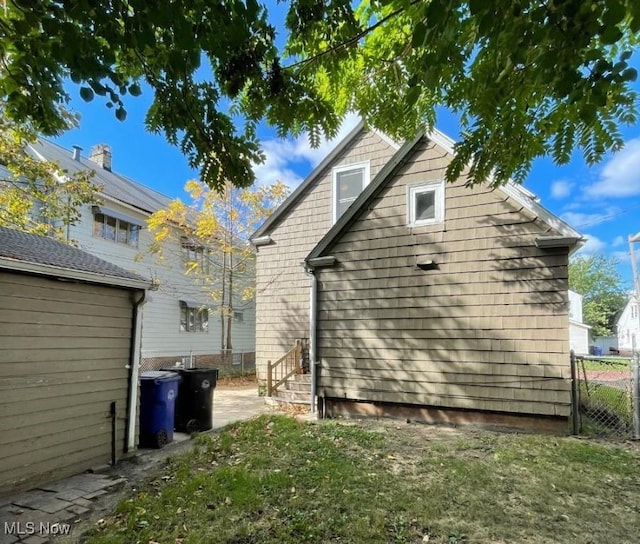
(285, 397)
(295, 385)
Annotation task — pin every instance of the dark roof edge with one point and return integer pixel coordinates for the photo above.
(293, 197)
(49, 270)
(369, 192)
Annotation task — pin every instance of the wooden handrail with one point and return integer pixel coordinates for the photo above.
(291, 368)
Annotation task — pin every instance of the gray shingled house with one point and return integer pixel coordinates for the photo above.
(421, 299)
(69, 348)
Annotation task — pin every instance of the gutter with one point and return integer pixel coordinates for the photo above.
(309, 268)
(70, 273)
(313, 296)
(134, 372)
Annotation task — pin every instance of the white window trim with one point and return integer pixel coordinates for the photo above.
(413, 190)
(345, 168)
(119, 219)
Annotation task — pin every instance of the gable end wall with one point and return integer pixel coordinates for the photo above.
(486, 330)
(282, 287)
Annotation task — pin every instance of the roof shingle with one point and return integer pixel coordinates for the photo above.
(40, 250)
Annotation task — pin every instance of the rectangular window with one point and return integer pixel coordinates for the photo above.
(193, 318)
(238, 317)
(195, 257)
(348, 183)
(115, 229)
(425, 204)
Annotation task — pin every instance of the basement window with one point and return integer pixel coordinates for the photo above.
(348, 183)
(425, 204)
(194, 317)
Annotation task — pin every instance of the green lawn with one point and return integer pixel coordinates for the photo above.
(605, 364)
(274, 480)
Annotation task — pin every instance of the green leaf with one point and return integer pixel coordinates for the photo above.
(86, 93)
(615, 13)
(412, 96)
(610, 35)
(419, 35)
(135, 90)
(121, 114)
(630, 74)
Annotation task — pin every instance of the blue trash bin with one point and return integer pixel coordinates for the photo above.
(158, 392)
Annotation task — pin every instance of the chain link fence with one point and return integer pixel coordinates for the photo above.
(232, 363)
(605, 394)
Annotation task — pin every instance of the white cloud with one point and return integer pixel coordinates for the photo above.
(620, 176)
(282, 155)
(622, 256)
(561, 189)
(618, 241)
(583, 219)
(593, 245)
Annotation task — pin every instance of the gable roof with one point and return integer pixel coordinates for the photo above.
(522, 196)
(23, 252)
(617, 318)
(114, 186)
(284, 208)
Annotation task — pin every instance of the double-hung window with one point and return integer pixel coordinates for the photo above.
(115, 228)
(193, 317)
(425, 203)
(348, 183)
(195, 257)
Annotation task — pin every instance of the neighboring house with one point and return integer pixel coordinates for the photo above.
(578, 331)
(178, 321)
(422, 299)
(628, 325)
(70, 336)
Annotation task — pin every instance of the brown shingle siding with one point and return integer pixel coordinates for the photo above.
(495, 307)
(282, 299)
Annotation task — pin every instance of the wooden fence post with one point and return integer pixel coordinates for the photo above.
(269, 379)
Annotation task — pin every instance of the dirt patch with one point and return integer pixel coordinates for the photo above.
(237, 381)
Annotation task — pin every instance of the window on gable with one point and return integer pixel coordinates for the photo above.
(115, 229)
(348, 183)
(238, 317)
(195, 256)
(193, 317)
(425, 204)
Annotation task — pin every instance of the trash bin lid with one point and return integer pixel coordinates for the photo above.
(161, 375)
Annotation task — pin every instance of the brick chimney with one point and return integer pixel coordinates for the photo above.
(101, 154)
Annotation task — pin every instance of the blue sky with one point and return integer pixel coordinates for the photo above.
(602, 202)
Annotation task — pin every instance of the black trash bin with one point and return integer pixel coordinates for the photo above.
(194, 405)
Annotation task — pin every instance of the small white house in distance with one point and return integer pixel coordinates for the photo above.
(628, 325)
(578, 331)
(178, 321)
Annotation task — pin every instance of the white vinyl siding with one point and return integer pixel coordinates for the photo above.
(161, 336)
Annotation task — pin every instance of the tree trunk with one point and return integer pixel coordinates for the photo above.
(222, 299)
(230, 306)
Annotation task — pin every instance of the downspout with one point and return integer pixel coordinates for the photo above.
(313, 302)
(134, 373)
